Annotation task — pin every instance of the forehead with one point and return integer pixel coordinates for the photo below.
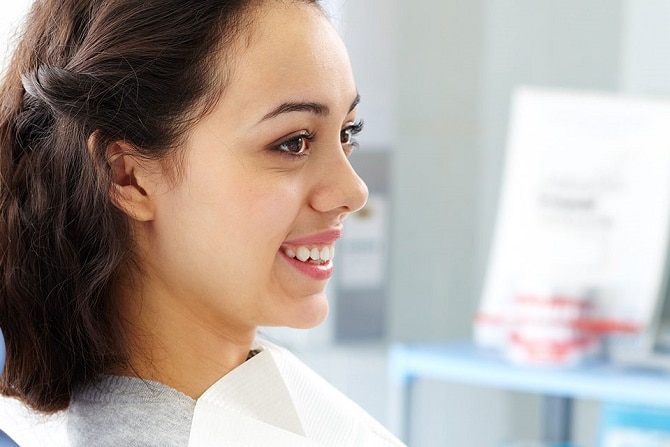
(292, 53)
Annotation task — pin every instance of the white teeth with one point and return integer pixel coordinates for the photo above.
(305, 254)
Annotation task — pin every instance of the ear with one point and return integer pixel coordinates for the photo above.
(131, 191)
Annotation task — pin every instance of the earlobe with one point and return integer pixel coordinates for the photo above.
(129, 180)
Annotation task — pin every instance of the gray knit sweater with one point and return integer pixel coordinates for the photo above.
(125, 411)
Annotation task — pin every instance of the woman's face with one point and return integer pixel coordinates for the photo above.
(266, 181)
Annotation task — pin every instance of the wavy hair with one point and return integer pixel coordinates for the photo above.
(138, 71)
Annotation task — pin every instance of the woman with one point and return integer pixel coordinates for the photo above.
(174, 175)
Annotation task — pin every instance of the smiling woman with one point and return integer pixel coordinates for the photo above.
(174, 175)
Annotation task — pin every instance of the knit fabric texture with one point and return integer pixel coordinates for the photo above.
(130, 412)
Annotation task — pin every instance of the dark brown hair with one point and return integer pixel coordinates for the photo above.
(139, 71)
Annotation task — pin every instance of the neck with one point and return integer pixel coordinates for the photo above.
(170, 342)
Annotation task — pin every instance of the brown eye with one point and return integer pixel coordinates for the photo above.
(346, 137)
(348, 133)
(294, 146)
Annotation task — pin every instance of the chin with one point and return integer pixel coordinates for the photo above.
(310, 315)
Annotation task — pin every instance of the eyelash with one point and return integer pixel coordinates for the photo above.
(305, 138)
(352, 130)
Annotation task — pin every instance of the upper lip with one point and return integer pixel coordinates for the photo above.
(321, 238)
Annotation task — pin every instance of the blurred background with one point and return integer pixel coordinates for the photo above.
(436, 79)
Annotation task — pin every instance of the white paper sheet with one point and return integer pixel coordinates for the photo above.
(585, 205)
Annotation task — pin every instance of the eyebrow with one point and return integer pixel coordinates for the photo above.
(311, 107)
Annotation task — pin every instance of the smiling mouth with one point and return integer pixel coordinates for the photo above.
(318, 255)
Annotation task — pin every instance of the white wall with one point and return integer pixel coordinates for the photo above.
(646, 47)
(434, 175)
(369, 29)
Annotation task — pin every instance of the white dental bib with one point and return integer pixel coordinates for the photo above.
(273, 399)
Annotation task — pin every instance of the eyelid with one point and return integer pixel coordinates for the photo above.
(349, 133)
(294, 135)
(304, 134)
(355, 127)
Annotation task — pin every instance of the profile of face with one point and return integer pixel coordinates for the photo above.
(244, 237)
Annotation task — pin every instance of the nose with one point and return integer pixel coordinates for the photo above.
(338, 188)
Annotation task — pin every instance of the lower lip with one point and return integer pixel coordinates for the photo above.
(320, 272)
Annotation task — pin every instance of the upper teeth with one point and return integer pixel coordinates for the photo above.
(315, 254)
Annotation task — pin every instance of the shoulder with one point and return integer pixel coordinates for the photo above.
(130, 412)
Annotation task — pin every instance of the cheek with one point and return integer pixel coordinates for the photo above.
(241, 208)
(252, 214)
(271, 213)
